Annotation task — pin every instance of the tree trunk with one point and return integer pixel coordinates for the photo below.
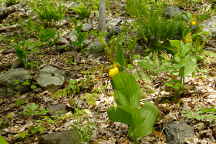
(102, 16)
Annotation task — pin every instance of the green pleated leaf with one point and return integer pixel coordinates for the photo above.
(127, 90)
(117, 114)
(144, 121)
(3, 141)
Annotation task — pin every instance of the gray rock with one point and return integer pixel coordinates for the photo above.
(14, 75)
(172, 11)
(65, 137)
(57, 109)
(13, 80)
(50, 76)
(178, 132)
(86, 27)
(209, 26)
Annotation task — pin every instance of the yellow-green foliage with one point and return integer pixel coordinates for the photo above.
(140, 119)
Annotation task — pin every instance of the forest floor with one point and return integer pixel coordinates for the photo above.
(87, 93)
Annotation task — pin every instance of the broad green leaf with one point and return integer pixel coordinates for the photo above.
(126, 88)
(3, 141)
(190, 65)
(120, 98)
(117, 114)
(175, 43)
(144, 122)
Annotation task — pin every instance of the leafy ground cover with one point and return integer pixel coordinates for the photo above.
(154, 65)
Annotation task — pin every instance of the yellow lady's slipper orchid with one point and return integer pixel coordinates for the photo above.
(113, 71)
(193, 22)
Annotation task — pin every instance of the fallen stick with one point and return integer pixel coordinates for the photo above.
(10, 27)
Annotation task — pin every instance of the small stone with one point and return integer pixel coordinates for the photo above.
(12, 81)
(57, 109)
(178, 132)
(13, 75)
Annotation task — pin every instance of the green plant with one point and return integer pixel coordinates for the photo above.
(90, 98)
(204, 114)
(34, 109)
(85, 130)
(22, 56)
(156, 31)
(48, 10)
(24, 49)
(2, 140)
(81, 10)
(183, 63)
(141, 8)
(72, 88)
(20, 102)
(81, 36)
(47, 35)
(37, 129)
(22, 135)
(140, 119)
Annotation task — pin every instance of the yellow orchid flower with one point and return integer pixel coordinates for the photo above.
(113, 71)
(193, 22)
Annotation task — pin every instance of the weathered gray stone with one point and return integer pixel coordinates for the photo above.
(178, 132)
(57, 109)
(13, 80)
(50, 76)
(209, 26)
(65, 137)
(14, 75)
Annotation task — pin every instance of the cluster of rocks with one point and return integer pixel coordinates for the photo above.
(20, 80)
